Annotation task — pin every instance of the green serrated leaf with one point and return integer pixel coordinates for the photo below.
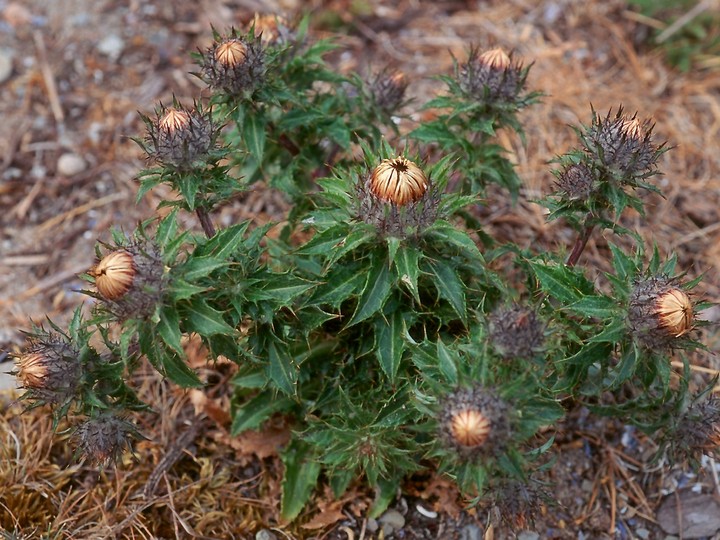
(600, 307)
(281, 369)
(375, 292)
(302, 470)
(200, 267)
(254, 133)
(447, 234)
(406, 266)
(204, 320)
(182, 290)
(252, 414)
(167, 229)
(390, 343)
(560, 282)
(169, 329)
(449, 287)
(446, 362)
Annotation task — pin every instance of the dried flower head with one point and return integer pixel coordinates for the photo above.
(659, 312)
(234, 64)
(475, 422)
(179, 137)
(49, 369)
(492, 77)
(623, 144)
(388, 90)
(130, 280)
(398, 181)
(576, 181)
(103, 439)
(516, 332)
(114, 274)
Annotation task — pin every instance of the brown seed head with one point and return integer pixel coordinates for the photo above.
(174, 120)
(470, 427)
(398, 181)
(231, 53)
(495, 59)
(675, 312)
(32, 370)
(114, 274)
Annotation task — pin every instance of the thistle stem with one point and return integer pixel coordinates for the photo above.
(580, 243)
(205, 222)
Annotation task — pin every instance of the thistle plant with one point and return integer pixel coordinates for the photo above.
(392, 330)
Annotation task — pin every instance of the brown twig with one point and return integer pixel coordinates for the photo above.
(205, 221)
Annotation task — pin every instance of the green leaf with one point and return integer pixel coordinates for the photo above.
(254, 132)
(182, 290)
(435, 132)
(446, 362)
(600, 307)
(344, 283)
(338, 131)
(167, 229)
(282, 288)
(325, 241)
(169, 329)
(614, 332)
(375, 292)
(449, 287)
(226, 241)
(252, 414)
(406, 265)
(179, 372)
(449, 235)
(206, 321)
(390, 343)
(281, 369)
(302, 469)
(200, 267)
(561, 282)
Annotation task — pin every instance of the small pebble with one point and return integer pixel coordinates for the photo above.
(372, 525)
(642, 533)
(70, 164)
(471, 532)
(391, 521)
(111, 46)
(6, 64)
(264, 534)
(528, 535)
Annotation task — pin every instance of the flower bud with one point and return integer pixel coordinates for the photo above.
(623, 144)
(179, 137)
(114, 274)
(659, 312)
(398, 181)
(491, 77)
(475, 422)
(516, 332)
(388, 90)
(49, 369)
(231, 53)
(576, 181)
(675, 312)
(469, 427)
(130, 280)
(234, 64)
(104, 438)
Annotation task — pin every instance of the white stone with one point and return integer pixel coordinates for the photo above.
(70, 164)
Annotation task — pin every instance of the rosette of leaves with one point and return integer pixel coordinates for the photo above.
(379, 291)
